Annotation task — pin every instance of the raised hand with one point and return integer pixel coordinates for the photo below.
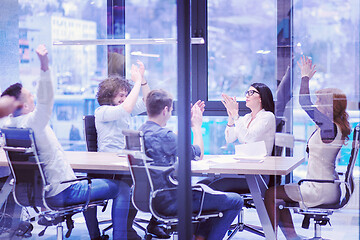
(231, 105)
(135, 74)
(141, 68)
(42, 53)
(307, 69)
(196, 116)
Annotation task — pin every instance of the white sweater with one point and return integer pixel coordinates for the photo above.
(262, 128)
(56, 168)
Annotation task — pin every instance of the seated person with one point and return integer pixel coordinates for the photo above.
(332, 130)
(258, 125)
(161, 146)
(56, 168)
(8, 105)
(118, 103)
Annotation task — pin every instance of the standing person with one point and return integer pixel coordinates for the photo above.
(332, 130)
(56, 167)
(258, 125)
(161, 146)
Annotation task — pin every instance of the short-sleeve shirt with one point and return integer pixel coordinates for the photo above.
(109, 123)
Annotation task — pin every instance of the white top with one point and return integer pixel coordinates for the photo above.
(262, 128)
(321, 165)
(56, 168)
(109, 123)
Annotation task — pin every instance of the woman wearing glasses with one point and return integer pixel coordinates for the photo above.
(259, 124)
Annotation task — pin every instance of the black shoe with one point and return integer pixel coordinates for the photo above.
(132, 235)
(157, 231)
(102, 237)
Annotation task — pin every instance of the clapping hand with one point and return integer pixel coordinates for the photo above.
(231, 105)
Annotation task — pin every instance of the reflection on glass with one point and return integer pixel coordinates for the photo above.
(241, 46)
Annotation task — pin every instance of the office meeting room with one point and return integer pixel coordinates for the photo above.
(179, 119)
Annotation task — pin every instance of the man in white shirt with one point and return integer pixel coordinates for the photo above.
(56, 167)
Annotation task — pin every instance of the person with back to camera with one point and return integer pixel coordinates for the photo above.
(161, 146)
(332, 130)
(258, 125)
(56, 167)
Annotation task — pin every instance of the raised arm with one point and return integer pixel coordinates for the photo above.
(328, 129)
(131, 99)
(196, 122)
(145, 89)
(45, 92)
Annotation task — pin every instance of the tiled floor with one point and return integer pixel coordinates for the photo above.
(345, 225)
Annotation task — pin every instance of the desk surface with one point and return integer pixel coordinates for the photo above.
(104, 161)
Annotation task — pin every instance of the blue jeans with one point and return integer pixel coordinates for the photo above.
(214, 228)
(101, 189)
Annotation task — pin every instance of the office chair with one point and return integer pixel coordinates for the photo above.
(30, 185)
(90, 134)
(321, 213)
(144, 192)
(282, 140)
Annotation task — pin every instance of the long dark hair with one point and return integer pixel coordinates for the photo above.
(266, 96)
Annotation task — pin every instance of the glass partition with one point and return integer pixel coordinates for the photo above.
(241, 46)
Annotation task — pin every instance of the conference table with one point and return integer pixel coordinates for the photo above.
(211, 165)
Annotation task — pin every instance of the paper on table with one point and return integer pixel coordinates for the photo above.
(200, 165)
(255, 150)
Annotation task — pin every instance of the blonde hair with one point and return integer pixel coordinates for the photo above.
(336, 103)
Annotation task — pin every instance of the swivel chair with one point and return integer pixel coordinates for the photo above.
(144, 192)
(30, 185)
(321, 213)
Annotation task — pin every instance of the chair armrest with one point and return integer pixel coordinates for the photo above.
(89, 188)
(77, 180)
(196, 188)
(318, 181)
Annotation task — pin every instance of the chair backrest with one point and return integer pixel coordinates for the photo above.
(349, 187)
(20, 148)
(141, 185)
(278, 148)
(134, 140)
(90, 133)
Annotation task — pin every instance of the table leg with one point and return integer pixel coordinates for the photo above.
(256, 192)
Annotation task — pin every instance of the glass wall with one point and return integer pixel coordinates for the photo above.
(241, 46)
(328, 33)
(78, 69)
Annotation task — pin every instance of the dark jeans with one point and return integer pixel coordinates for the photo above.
(101, 189)
(214, 228)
